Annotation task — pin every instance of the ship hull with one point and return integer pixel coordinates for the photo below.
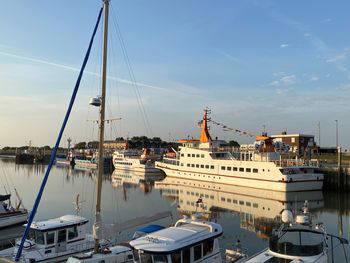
(12, 219)
(314, 183)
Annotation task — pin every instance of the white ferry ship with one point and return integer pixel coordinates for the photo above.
(133, 160)
(206, 160)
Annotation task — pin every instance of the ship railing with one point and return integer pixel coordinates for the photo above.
(299, 162)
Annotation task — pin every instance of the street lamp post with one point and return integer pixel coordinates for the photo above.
(336, 134)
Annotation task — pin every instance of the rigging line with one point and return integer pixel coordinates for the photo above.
(131, 72)
(53, 154)
(113, 66)
(6, 181)
(117, 91)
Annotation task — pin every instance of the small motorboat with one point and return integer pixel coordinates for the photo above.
(299, 240)
(9, 215)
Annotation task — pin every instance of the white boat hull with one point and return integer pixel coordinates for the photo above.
(12, 219)
(314, 183)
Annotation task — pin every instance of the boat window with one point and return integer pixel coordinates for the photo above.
(228, 168)
(193, 155)
(197, 165)
(223, 199)
(202, 155)
(39, 237)
(248, 170)
(50, 238)
(176, 257)
(212, 167)
(207, 166)
(72, 232)
(145, 258)
(62, 235)
(202, 165)
(197, 155)
(241, 169)
(229, 200)
(182, 155)
(297, 243)
(159, 258)
(197, 252)
(208, 247)
(255, 170)
(186, 255)
(192, 165)
(223, 167)
(234, 168)
(248, 203)
(188, 155)
(188, 165)
(234, 201)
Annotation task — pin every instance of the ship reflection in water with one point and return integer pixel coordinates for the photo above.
(133, 180)
(259, 210)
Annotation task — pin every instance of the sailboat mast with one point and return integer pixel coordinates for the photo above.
(101, 125)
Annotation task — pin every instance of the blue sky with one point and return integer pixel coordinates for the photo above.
(276, 63)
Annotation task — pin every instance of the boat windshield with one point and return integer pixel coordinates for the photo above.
(37, 236)
(297, 243)
(145, 257)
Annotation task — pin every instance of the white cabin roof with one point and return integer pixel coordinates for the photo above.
(60, 222)
(186, 232)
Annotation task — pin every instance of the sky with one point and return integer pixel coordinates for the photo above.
(282, 65)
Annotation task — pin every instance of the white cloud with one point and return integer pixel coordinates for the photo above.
(338, 57)
(307, 35)
(285, 80)
(327, 20)
(314, 78)
(284, 45)
(228, 56)
(328, 75)
(288, 80)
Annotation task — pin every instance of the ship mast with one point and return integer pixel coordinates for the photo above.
(98, 221)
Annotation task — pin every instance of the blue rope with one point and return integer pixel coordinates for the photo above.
(53, 154)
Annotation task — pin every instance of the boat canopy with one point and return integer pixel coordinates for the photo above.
(4, 197)
(184, 233)
(150, 228)
(59, 223)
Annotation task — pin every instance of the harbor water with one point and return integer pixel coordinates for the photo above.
(244, 214)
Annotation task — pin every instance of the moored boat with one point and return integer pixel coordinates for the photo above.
(299, 240)
(9, 215)
(189, 240)
(135, 161)
(54, 240)
(262, 168)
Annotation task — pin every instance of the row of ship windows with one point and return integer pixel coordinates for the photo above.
(193, 155)
(228, 168)
(241, 169)
(240, 202)
(124, 163)
(199, 165)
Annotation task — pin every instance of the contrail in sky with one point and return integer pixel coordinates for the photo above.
(125, 81)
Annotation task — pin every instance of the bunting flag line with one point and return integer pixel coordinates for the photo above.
(227, 128)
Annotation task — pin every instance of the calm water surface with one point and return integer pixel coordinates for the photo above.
(247, 214)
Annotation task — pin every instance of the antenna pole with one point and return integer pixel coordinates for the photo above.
(98, 221)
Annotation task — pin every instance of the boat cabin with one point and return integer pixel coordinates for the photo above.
(301, 242)
(57, 233)
(188, 241)
(4, 206)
